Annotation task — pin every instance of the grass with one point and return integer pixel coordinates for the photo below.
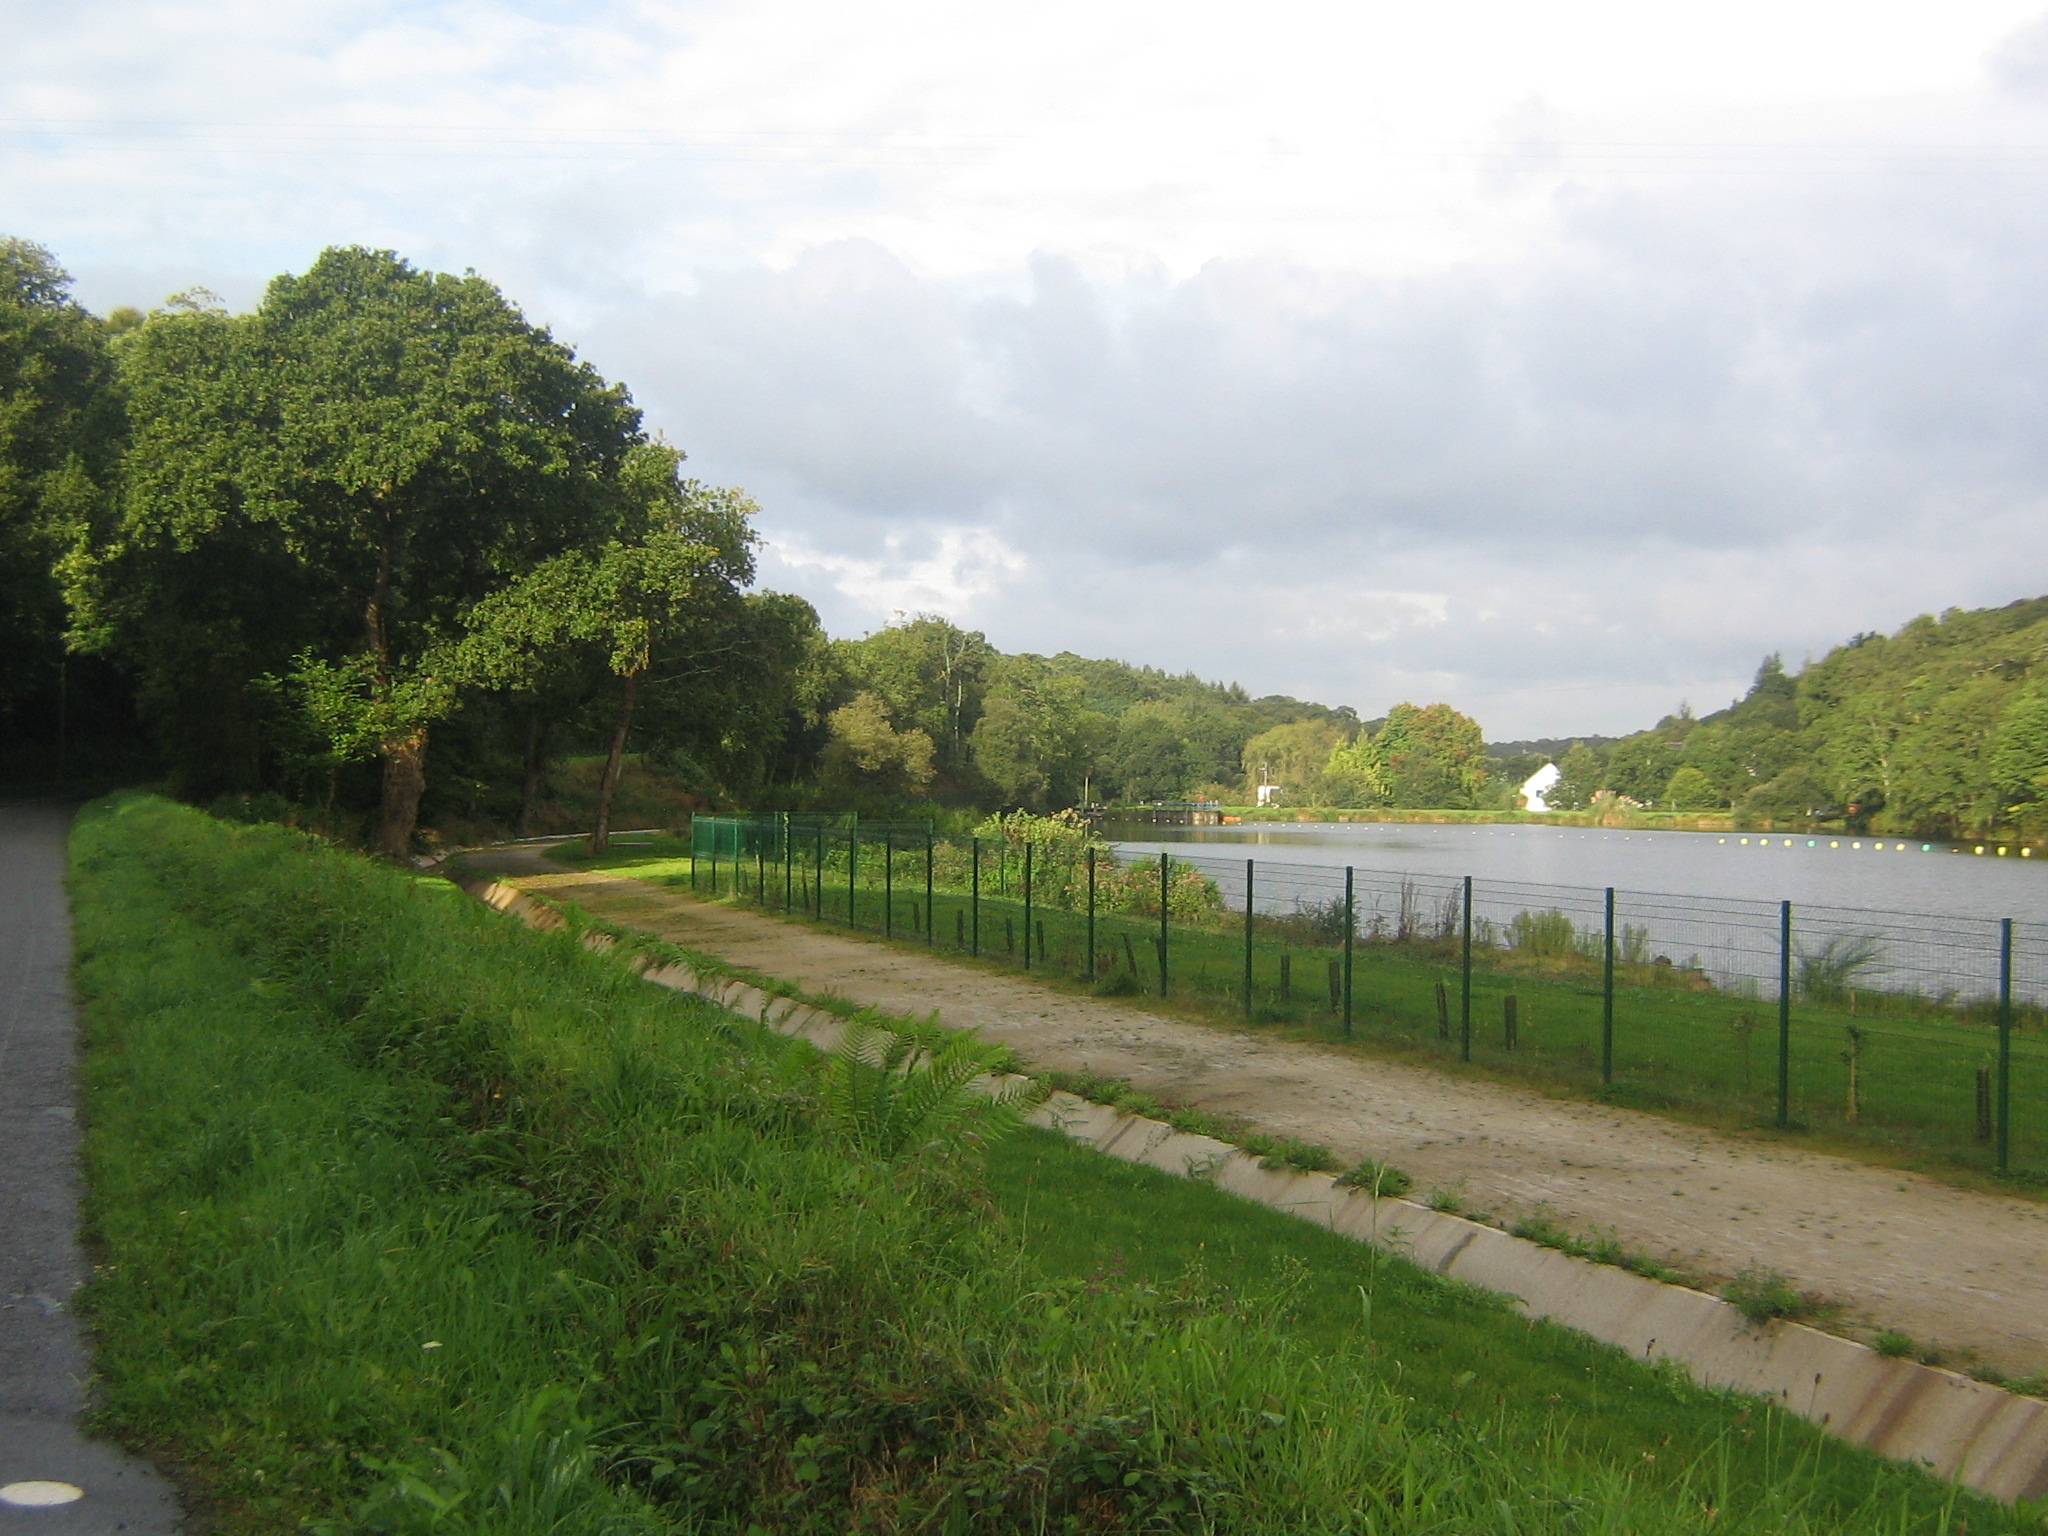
(1763, 1295)
(1681, 1046)
(1488, 1381)
(1599, 1246)
(407, 1219)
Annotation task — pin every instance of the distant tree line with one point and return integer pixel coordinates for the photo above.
(1939, 730)
(935, 709)
(385, 554)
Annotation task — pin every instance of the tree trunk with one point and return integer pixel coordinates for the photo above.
(601, 837)
(537, 732)
(405, 780)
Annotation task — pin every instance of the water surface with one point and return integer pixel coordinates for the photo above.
(1879, 874)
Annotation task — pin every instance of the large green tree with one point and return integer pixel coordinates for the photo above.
(686, 553)
(1037, 741)
(1427, 756)
(397, 445)
(929, 675)
(61, 428)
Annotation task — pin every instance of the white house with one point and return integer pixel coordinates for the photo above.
(1534, 788)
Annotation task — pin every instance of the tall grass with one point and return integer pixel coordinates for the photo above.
(414, 1221)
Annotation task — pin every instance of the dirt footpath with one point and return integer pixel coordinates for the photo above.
(1900, 1251)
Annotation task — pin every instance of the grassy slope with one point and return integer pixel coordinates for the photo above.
(414, 1221)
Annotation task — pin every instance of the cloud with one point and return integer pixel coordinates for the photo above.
(1558, 362)
(1579, 485)
(963, 567)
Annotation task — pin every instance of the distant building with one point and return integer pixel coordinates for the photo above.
(1538, 784)
(1269, 794)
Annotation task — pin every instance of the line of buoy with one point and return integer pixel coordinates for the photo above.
(1880, 847)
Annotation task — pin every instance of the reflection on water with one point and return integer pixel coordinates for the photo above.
(1884, 874)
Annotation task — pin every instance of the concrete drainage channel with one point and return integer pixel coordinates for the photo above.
(1980, 1435)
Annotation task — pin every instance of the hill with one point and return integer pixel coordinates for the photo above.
(1938, 730)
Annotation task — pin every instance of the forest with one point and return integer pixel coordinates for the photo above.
(385, 558)
(1938, 730)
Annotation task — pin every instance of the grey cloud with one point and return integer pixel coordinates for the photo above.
(1695, 429)
(2020, 63)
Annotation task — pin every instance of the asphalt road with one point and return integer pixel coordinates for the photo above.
(43, 1358)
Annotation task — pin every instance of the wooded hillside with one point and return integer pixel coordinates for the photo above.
(1940, 729)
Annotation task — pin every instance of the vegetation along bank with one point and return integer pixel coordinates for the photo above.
(409, 1219)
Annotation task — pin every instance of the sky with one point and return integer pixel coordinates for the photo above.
(1558, 362)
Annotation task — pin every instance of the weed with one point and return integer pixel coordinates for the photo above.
(1382, 1179)
(1599, 1246)
(1893, 1345)
(1762, 1295)
(1275, 1152)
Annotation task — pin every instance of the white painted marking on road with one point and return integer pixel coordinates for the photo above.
(40, 1495)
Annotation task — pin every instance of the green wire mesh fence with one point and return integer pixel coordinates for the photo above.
(1926, 1031)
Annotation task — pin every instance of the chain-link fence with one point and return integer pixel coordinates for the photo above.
(1922, 1030)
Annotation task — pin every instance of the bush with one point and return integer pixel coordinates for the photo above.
(1544, 934)
(1761, 1295)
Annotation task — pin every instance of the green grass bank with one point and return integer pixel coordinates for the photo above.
(408, 1219)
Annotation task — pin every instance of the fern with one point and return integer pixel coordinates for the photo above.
(917, 1092)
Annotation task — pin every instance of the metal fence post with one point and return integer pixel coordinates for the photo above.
(931, 922)
(2004, 1043)
(974, 900)
(788, 866)
(1350, 932)
(1027, 908)
(714, 864)
(1784, 1015)
(889, 885)
(852, 866)
(1607, 997)
(1164, 904)
(1465, 980)
(760, 870)
(818, 876)
(1249, 875)
(1091, 915)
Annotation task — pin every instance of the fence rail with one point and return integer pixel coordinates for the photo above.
(1926, 1031)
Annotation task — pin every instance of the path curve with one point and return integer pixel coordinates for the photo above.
(1898, 1250)
(42, 1352)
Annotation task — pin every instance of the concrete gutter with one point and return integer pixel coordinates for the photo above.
(1979, 1435)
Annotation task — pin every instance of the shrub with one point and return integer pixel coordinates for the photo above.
(1761, 1295)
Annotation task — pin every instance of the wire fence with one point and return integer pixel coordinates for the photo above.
(1925, 1031)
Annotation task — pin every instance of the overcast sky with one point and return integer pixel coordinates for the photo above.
(1558, 361)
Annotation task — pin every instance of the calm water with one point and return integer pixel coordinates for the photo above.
(1830, 871)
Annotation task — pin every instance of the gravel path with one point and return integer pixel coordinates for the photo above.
(1897, 1250)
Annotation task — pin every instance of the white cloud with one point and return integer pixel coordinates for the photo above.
(1556, 360)
(963, 567)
